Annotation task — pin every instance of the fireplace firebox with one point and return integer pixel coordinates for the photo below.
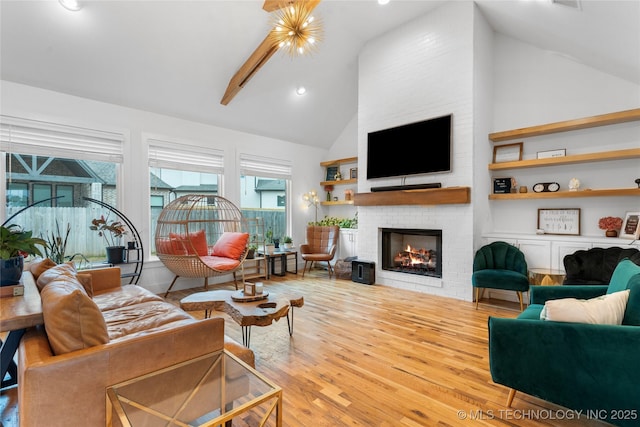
(412, 251)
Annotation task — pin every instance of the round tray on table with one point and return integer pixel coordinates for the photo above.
(241, 297)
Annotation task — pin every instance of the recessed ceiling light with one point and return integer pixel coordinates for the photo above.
(383, 2)
(301, 90)
(73, 5)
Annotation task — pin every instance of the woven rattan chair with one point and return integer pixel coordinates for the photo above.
(201, 236)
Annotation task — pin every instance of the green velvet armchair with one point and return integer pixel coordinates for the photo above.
(584, 367)
(500, 265)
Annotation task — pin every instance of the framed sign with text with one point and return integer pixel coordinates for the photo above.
(631, 226)
(559, 221)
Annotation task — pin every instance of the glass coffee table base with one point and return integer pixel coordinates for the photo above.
(210, 390)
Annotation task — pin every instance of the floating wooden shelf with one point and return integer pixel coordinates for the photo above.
(607, 192)
(566, 160)
(339, 162)
(431, 196)
(338, 202)
(341, 182)
(568, 125)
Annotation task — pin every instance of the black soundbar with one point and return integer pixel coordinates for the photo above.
(407, 187)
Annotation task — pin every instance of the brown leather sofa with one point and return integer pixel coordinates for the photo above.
(62, 378)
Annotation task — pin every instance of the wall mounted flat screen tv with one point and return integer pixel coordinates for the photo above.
(415, 148)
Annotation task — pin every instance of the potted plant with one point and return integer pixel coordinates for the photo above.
(288, 242)
(270, 246)
(611, 225)
(112, 232)
(15, 244)
(251, 250)
(56, 247)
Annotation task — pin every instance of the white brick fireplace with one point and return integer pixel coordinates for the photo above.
(457, 229)
(426, 69)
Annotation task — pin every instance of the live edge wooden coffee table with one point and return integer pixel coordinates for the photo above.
(245, 313)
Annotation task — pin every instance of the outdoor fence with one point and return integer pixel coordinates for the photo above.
(46, 222)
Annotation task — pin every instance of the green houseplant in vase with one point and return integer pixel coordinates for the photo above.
(112, 232)
(15, 245)
(270, 245)
(288, 242)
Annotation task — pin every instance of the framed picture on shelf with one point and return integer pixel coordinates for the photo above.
(631, 226)
(331, 173)
(507, 152)
(551, 153)
(502, 185)
(353, 173)
(559, 221)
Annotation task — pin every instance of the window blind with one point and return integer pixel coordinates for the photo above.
(172, 155)
(265, 167)
(39, 138)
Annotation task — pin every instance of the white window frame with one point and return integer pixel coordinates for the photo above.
(269, 167)
(50, 139)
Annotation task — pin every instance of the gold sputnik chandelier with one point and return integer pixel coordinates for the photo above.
(295, 30)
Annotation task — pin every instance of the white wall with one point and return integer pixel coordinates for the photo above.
(33, 103)
(533, 87)
(483, 88)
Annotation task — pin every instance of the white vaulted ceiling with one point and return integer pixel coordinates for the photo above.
(176, 57)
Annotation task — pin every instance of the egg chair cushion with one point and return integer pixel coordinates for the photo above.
(220, 263)
(231, 245)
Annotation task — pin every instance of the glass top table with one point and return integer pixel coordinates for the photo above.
(207, 391)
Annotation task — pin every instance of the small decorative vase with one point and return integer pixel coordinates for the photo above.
(11, 270)
(611, 233)
(328, 196)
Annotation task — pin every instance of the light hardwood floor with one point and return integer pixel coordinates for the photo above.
(378, 356)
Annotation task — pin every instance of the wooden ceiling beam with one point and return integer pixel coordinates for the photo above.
(271, 5)
(259, 57)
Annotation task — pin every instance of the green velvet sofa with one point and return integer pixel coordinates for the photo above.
(583, 367)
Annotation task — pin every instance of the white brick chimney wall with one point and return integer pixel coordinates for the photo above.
(420, 71)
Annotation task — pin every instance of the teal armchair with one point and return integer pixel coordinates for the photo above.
(584, 367)
(500, 265)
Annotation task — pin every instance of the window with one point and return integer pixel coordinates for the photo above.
(55, 167)
(65, 192)
(17, 194)
(42, 192)
(264, 185)
(178, 169)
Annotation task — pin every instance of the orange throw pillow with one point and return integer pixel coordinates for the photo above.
(196, 243)
(231, 245)
(39, 266)
(171, 246)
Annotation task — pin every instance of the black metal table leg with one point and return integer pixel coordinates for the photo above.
(290, 323)
(8, 351)
(246, 336)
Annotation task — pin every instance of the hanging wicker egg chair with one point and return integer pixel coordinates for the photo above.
(201, 236)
